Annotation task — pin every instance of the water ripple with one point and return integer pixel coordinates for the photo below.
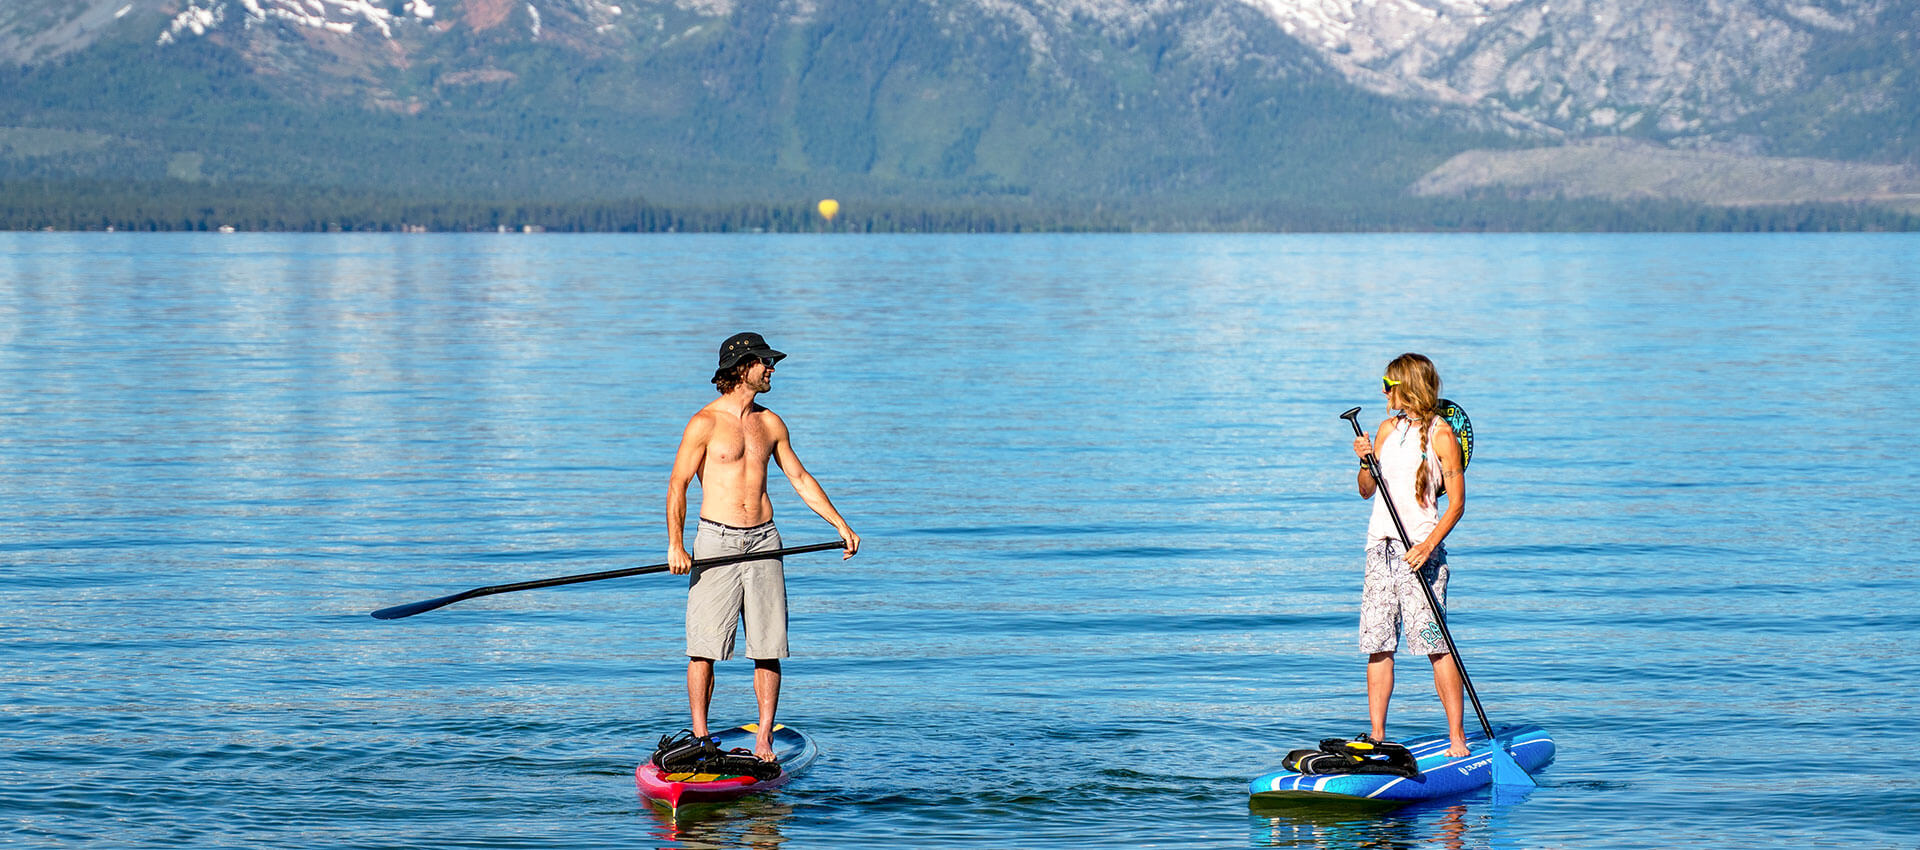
(1112, 541)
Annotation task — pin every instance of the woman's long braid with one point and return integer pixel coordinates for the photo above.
(1425, 474)
(1418, 394)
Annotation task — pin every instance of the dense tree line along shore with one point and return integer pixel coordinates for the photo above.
(190, 206)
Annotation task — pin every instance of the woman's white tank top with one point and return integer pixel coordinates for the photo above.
(1399, 456)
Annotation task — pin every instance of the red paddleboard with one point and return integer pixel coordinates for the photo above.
(794, 750)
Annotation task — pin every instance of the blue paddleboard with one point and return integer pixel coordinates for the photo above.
(1439, 777)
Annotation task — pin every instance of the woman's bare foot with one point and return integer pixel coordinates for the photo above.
(1458, 750)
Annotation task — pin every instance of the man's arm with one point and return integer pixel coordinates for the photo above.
(809, 489)
(686, 465)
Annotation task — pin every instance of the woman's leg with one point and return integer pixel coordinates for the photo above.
(1379, 691)
(1379, 632)
(1446, 683)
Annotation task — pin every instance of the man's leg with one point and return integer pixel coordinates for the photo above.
(1446, 682)
(764, 608)
(1379, 691)
(699, 692)
(766, 691)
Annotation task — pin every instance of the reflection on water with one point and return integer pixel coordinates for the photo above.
(1342, 825)
(753, 822)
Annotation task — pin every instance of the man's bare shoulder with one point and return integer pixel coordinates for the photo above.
(703, 420)
(767, 417)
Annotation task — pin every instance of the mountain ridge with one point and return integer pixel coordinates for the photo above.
(1225, 103)
(1560, 69)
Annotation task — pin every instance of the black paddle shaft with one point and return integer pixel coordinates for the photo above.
(412, 608)
(1380, 483)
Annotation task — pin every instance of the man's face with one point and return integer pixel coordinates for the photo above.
(760, 375)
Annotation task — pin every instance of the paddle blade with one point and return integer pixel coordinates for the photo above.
(1507, 772)
(412, 608)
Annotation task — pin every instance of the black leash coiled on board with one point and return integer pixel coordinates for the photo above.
(1360, 755)
(686, 752)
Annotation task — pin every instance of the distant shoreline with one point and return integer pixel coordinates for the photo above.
(181, 206)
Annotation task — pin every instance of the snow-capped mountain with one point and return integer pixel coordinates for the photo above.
(1672, 68)
(1104, 96)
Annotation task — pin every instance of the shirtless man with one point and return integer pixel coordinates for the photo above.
(727, 444)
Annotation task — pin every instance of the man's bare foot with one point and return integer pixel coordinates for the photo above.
(1458, 750)
(763, 750)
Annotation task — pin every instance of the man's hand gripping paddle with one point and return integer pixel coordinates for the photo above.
(412, 608)
(1506, 771)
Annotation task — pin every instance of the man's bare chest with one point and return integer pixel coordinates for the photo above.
(739, 442)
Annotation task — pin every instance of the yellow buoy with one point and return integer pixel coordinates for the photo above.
(829, 208)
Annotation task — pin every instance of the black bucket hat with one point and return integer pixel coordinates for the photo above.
(741, 346)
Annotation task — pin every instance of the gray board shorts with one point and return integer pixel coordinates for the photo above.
(1391, 603)
(719, 595)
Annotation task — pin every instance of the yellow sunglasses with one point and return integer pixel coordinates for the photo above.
(1387, 384)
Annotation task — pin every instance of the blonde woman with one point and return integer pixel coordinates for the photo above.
(1419, 459)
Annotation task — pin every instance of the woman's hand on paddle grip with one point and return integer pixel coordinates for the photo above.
(1418, 555)
(1363, 447)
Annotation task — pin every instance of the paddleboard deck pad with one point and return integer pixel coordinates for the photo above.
(1440, 776)
(795, 751)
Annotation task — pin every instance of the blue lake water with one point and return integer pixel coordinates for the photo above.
(1112, 555)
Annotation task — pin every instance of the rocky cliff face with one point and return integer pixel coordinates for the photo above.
(1672, 67)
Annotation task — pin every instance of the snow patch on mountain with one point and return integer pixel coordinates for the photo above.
(342, 16)
(1365, 30)
(1578, 66)
(337, 16)
(195, 20)
(1023, 20)
(1389, 46)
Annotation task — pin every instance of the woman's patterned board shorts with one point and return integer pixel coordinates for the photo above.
(1391, 603)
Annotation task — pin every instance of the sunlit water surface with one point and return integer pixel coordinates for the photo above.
(1112, 552)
